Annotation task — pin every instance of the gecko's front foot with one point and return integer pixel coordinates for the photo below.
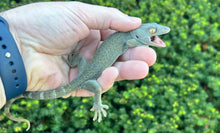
(99, 110)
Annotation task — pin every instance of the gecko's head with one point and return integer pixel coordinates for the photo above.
(147, 34)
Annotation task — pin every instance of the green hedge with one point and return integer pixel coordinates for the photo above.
(181, 93)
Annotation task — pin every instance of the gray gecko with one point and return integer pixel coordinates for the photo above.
(114, 46)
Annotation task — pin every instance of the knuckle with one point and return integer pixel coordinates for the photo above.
(114, 10)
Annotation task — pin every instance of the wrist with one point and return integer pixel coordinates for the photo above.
(12, 70)
(2, 90)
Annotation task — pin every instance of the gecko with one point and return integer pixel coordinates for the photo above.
(88, 73)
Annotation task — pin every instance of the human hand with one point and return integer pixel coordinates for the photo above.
(46, 31)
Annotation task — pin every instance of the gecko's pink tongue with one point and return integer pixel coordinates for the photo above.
(159, 42)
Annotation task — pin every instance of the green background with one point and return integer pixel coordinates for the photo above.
(181, 93)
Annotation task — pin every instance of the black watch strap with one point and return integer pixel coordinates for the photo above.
(12, 70)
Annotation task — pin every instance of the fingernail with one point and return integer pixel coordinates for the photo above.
(134, 19)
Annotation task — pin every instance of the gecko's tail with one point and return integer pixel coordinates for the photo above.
(8, 114)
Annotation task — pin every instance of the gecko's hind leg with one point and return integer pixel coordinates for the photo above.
(75, 60)
(72, 59)
(98, 107)
(8, 114)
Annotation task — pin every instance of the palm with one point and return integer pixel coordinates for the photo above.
(48, 36)
(51, 70)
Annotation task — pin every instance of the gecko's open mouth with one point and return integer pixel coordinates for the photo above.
(152, 38)
(157, 41)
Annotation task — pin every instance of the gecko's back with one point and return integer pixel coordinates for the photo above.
(107, 54)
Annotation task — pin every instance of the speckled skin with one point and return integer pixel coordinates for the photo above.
(114, 46)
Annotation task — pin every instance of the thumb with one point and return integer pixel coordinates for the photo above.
(99, 17)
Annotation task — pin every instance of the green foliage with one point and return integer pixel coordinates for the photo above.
(181, 93)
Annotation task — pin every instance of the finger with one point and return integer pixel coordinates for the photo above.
(106, 33)
(106, 80)
(145, 54)
(82, 93)
(133, 69)
(90, 44)
(99, 17)
(71, 94)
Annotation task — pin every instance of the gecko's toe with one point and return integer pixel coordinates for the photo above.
(92, 109)
(95, 116)
(104, 112)
(100, 116)
(99, 110)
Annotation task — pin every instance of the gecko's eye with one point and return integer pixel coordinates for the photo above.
(152, 30)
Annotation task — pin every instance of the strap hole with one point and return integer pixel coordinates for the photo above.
(17, 85)
(0, 38)
(4, 46)
(11, 63)
(13, 71)
(16, 78)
